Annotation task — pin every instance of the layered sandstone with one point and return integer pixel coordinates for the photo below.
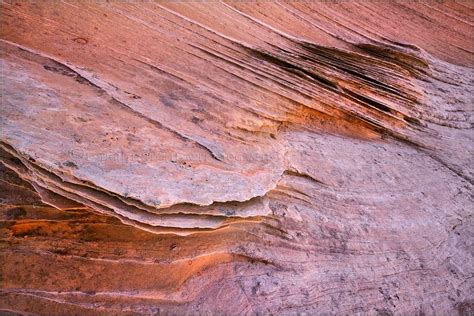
(236, 157)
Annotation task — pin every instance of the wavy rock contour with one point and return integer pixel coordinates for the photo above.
(236, 157)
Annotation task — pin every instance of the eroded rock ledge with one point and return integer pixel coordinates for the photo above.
(236, 157)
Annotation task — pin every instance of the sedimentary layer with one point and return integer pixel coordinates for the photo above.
(236, 157)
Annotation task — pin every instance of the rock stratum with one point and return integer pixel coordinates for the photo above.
(268, 157)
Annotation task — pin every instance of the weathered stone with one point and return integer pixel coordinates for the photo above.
(236, 157)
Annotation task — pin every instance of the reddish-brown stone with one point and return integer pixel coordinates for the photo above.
(236, 157)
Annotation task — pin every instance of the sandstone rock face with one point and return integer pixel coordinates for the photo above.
(236, 157)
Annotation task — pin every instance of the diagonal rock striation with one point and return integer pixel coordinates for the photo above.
(236, 157)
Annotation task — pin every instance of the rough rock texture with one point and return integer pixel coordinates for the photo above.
(236, 157)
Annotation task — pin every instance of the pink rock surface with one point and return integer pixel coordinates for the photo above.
(236, 157)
